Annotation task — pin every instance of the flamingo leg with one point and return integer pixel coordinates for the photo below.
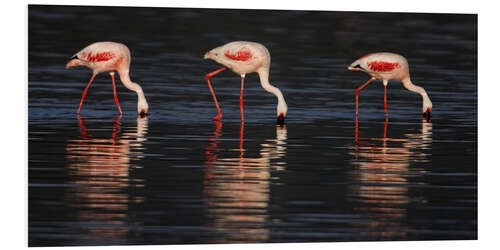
(83, 128)
(116, 128)
(241, 97)
(207, 78)
(212, 151)
(356, 130)
(242, 131)
(385, 127)
(385, 100)
(114, 92)
(359, 89)
(85, 92)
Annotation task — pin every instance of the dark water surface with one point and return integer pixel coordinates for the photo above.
(177, 177)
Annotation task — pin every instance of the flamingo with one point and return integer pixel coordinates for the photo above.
(242, 58)
(389, 66)
(109, 57)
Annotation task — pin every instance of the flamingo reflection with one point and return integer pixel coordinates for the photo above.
(237, 189)
(381, 179)
(99, 172)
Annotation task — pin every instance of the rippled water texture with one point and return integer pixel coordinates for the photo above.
(177, 177)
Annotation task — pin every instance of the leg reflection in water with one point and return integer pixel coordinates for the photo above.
(99, 172)
(237, 189)
(380, 180)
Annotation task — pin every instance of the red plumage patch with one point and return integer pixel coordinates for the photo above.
(242, 55)
(99, 57)
(381, 66)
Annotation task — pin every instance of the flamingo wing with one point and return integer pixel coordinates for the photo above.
(382, 66)
(97, 52)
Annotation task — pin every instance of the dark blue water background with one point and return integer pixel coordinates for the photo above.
(177, 177)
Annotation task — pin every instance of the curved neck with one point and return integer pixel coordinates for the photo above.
(414, 88)
(264, 81)
(125, 79)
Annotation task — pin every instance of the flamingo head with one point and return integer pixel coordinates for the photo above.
(281, 111)
(142, 107)
(74, 62)
(281, 119)
(427, 109)
(208, 55)
(355, 66)
(214, 54)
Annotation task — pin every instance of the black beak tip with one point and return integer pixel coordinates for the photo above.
(427, 115)
(281, 119)
(142, 114)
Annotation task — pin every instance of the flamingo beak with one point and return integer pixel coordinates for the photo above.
(143, 113)
(281, 119)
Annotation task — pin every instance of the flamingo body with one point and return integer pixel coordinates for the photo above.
(241, 57)
(109, 57)
(244, 57)
(389, 66)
